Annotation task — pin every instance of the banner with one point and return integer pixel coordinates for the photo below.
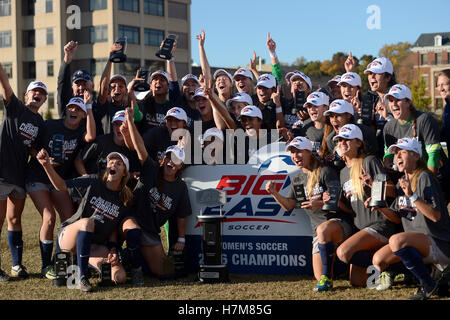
(259, 236)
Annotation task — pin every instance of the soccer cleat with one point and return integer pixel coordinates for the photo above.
(324, 284)
(19, 271)
(85, 285)
(3, 276)
(137, 277)
(48, 272)
(424, 292)
(386, 281)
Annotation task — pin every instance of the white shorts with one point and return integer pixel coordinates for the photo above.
(436, 256)
(12, 190)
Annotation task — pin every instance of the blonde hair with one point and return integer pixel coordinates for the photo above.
(355, 173)
(421, 166)
(313, 176)
(125, 194)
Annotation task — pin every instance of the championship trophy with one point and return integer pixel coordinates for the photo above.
(334, 189)
(378, 192)
(300, 99)
(105, 275)
(142, 85)
(57, 148)
(178, 257)
(212, 270)
(299, 191)
(62, 262)
(119, 56)
(166, 49)
(366, 117)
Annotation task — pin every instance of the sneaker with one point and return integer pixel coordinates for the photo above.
(19, 271)
(386, 281)
(324, 284)
(48, 272)
(424, 292)
(85, 285)
(137, 277)
(3, 276)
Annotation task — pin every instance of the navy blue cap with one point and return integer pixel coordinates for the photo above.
(81, 75)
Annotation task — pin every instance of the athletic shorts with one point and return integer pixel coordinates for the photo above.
(436, 256)
(347, 231)
(150, 239)
(38, 186)
(382, 230)
(12, 190)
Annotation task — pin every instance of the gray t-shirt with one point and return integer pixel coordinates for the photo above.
(318, 216)
(413, 220)
(315, 135)
(364, 217)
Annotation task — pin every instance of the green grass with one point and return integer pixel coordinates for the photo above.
(241, 287)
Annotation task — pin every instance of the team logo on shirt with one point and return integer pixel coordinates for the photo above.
(69, 147)
(103, 209)
(29, 131)
(163, 202)
(407, 209)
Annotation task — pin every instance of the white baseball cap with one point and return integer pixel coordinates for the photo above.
(303, 76)
(118, 76)
(266, 80)
(37, 85)
(240, 97)
(289, 75)
(317, 99)
(340, 106)
(351, 78)
(177, 151)
(399, 91)
(189, 76)
(200, 92)
(161, 72)
(220, 71)
(243, 72)
(251, 111)
(213, 132)
(300, 143)
(119, 116)
(121, 156)
(409, 144)
(78, 102)
(177, 113)
(349, 131)
(336, 79)
(380, 65)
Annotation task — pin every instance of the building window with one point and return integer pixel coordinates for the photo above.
(154, 7)
(98, 34)
(129, 68)
(49, 36)
(132, 34)
(51, 100)
(97, 66)
(438, 58)
(48, 6)
(97, 5)
(28, 7)
(177, 10)
(154, 65)
(50, 68)
(423, 59)
(8, 69)
(153, 37)
(129, 5)
(29, 70)
(5, 39)
(438, 41)
(29, 38)
(182, 39)
(5, 8)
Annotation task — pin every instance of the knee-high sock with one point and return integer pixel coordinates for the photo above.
(412, 260)
(46, 247)
(83, 250)
(326, 251)
(16, 246)
(134, 247)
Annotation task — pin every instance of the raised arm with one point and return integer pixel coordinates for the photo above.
(253, 68)
(91, 132)
(206, 70)
(221, 115)
(171, 69)
(287, 204)
(64, 89)
(5, 87)
(106, 76)
(54, 177)
(135, 136)
(276, 66)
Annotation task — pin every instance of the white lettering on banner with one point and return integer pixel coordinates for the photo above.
(283, 260)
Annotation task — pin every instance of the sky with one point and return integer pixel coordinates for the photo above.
(314, 29)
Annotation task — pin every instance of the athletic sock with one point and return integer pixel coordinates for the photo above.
(134, 247)
(361, 259)
(326, 251)
(16, 246)
(412, 260)
(46, 252)
(83, 250)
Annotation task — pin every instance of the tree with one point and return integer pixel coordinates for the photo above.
(395, 52)
(418, 92)
(300, 63)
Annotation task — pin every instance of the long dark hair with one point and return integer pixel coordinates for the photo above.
(160, 180)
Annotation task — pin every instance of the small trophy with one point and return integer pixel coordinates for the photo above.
(119, 56)
(334, 189)
(62, 262)
(142, 85)
(378, 192)
(338, 162)
(366, 117)
(178, 258)
(299, 191)
(57, 148)
(166, 49)
(105, 275)
(300, 100)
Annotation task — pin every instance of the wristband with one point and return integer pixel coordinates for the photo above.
(413, 198)
(88, 106)
(137, 114)
(278, 109)
(273, 55)
(181, 239)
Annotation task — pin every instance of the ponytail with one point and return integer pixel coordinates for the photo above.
(313, 176)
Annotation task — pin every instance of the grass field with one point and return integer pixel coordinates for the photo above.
(241, 287)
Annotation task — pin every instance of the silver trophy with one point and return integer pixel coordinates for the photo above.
(378, 193)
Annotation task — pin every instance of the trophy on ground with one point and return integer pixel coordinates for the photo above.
(62, 261)
(212, 270)
(105, 275)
